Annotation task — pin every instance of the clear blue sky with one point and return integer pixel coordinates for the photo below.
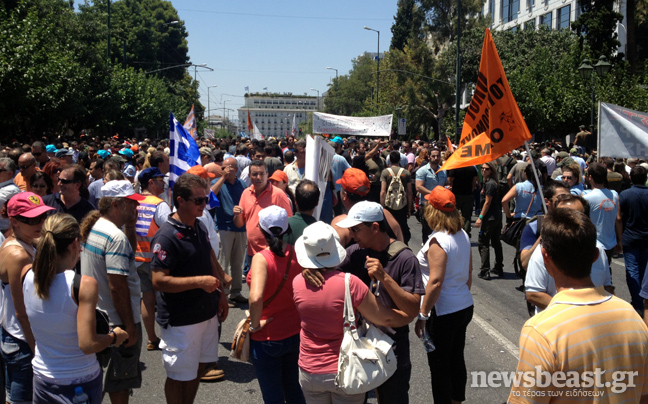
(282, 45)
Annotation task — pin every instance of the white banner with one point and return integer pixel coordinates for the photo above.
(622, 132)
(319, 156)
(208, 133)
(352, 125)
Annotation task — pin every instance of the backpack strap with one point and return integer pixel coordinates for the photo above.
(395, 248)
(76, 285)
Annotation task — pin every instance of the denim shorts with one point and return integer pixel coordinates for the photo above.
(17, 357)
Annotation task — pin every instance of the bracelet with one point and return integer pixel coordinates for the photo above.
(423, 317)
(481, 217)
(252, 329)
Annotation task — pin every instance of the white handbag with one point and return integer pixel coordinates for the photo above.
(366, 358)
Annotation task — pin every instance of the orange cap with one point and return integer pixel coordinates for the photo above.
(355, 181)
(201, 172)
(442, 198)
(279, 175)
(135, 148)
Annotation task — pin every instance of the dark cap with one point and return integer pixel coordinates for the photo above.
(148, 174)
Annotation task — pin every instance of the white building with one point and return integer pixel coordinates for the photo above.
(273, 113)
(556, 14)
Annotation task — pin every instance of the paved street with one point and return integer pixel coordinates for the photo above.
(491, 343)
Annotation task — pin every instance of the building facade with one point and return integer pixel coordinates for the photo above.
(273, 114)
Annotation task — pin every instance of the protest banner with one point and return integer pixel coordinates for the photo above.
(319, 157)
(493, 125)
(622, 132)
(352, 125)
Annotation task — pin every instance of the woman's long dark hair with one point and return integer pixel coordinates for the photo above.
(528, 171)
(275, 240)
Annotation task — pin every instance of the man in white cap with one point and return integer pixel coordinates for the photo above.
(108, 257)
(392, 272)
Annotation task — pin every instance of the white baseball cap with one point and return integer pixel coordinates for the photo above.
(273, 216)
(120, 189)
(362, 212)
(319, 247)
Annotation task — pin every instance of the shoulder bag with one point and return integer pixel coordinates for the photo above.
(513, 229)
(241, 344)
(366, 358)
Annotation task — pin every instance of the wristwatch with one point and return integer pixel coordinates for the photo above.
(114, 337)
(253, 329)
(422, 317)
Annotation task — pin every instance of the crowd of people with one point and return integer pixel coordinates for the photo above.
(98, 247)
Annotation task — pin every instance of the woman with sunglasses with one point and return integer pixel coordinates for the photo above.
(63, 320)
(41, 183)
(26, 213)
(53, 169)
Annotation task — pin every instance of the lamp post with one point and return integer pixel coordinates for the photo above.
(312, 89)
(336, 72)
(377, 65)
(601, 69)
(224, 103)
(208, 105)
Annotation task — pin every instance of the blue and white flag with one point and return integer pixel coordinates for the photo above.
(247, 89)
(184, 154)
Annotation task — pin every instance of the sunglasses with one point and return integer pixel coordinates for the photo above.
(565, 177)
(199, 201)
(38, 186)
(36, 154)
(31, 221)
(64, 181)
(25, 167)
(485, 168)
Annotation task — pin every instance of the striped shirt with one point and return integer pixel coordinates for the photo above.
(595, 336)
(108, 251)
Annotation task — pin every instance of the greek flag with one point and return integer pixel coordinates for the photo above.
(184, 151)
(184, 154)
(247, 89)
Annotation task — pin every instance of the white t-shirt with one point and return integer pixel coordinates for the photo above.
(538, 279)
(207, 220)
(455, 294)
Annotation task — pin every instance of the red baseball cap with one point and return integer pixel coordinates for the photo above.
(355, 181)
(201, 172)
(26, 204)
(442, 199)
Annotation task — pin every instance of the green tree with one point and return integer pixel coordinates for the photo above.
(348, 93)
(408, 24)
(596, 26)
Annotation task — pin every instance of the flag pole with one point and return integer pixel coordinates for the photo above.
(535, 174)
(598, 134)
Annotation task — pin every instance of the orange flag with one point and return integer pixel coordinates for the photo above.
(493, 125)
(450, 147)
(249, 123)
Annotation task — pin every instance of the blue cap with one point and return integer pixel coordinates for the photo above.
(103, 153)
(338, 140)
(50, 148)
(128, 153)
(148, 174)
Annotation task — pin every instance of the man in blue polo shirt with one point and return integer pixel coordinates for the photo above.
(426, 179)
(228, 188)
(190, 307)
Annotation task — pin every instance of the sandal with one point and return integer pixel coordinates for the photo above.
(153, 346)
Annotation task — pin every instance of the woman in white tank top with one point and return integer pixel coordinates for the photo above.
(64, 328)
(26, 213)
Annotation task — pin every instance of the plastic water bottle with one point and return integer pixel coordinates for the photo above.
(427, 342)
(79, 396)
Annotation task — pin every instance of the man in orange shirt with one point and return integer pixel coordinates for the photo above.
(27, 166)
(259, 195)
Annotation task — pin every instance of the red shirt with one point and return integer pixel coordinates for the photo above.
(285, 319)
(252, 205)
